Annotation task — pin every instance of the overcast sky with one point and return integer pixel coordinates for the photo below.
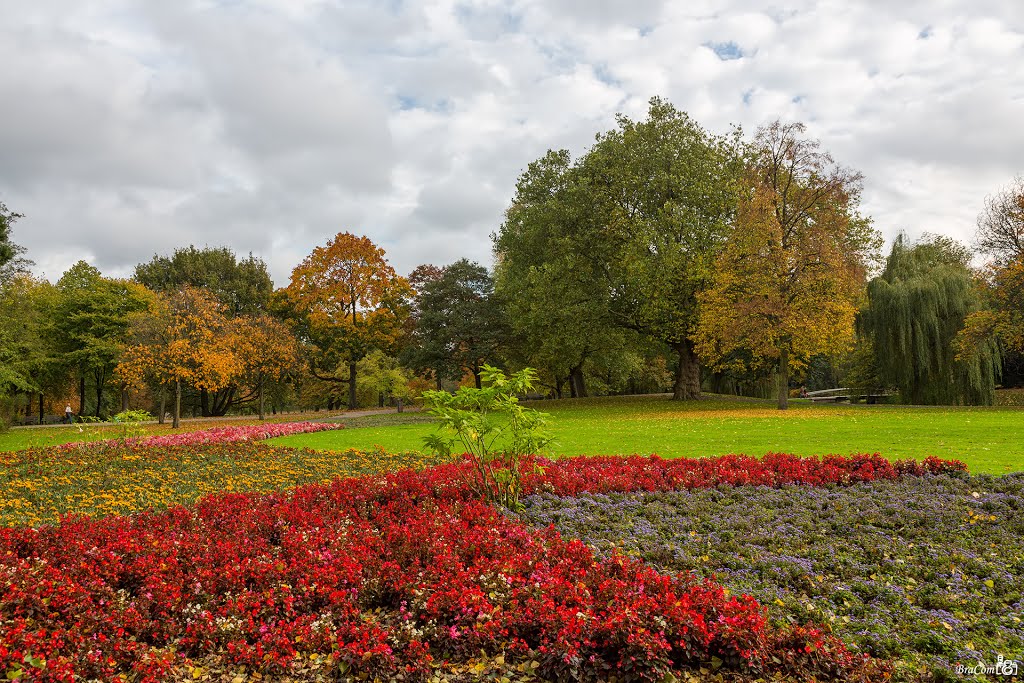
(129, 128)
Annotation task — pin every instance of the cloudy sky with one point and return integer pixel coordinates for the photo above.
(133, 127)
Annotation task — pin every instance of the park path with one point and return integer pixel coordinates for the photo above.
(333, 416)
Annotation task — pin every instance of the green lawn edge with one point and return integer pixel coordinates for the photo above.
(987, 439)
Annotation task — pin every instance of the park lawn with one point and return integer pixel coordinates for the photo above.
(987, 439)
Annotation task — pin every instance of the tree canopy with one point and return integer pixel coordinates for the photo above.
(8, 250)
(184, 338)
(243, 287)
(347, 300)
(459, 324)
(1002, 318)
(28, 359)
(790, 276)
(632, 227)
(915, 309)
(1001, 224)
(92, 315)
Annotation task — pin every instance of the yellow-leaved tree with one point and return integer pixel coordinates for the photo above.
(183, 339)
(266, 351)
(791, 274)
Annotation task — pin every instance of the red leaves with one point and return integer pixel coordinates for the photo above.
(607, 474)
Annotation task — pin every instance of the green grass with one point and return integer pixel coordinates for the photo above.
(39, 437)
(987, 439)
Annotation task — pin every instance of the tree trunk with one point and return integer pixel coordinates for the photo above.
(176, 422)
(558, 386)
(40, 409)
(163, 403)
(577, 382)
(437, 379)
(99, 395)
(783, 378)
(476, 376)
(204, 402)
(81, 395)
(124, 398)
(687, 384)
(352, 404)
(222, 401)
(263, 414)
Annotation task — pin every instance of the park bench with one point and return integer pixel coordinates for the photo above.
(846, 394)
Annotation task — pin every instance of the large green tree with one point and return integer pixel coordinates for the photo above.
(629, 231)
(915, 309)
(8, 250)
(556, 300)
(243, 286)
(666, 194)
(91, 318)
(459, 324)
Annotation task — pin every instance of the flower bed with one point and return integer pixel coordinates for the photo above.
(39, 485)
(384, 575)
(607, 474)
(233, 434)
(391, 576)
(926, 570)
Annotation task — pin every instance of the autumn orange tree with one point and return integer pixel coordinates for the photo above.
(791, 274)
(347, 300)
(1002, 288)
(266, 351)
(183, 339)
(1001, 283)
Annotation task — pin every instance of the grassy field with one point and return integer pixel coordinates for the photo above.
(987, 439)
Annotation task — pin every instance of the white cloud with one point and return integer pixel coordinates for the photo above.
(132, 128)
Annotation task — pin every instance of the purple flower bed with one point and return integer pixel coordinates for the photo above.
(926, 570)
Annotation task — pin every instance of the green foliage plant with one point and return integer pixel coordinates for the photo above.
(494, 429)
(130, 422)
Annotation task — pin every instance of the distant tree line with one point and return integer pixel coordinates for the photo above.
(665, 258)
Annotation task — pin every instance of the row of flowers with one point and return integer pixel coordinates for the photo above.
(608, 474)
(230, 434)
(388, 575)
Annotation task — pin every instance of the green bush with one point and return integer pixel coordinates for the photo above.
(130, 422)
(493, 428)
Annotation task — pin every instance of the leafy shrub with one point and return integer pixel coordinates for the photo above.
(131, 423)
(495, 431)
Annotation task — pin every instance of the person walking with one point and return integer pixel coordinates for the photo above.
(69, 417)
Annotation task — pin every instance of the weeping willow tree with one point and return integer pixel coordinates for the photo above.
(916, 307)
